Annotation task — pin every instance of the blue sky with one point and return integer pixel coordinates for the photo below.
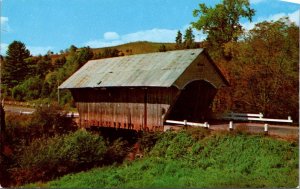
(56, 24)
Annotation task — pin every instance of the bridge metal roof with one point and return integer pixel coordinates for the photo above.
(159, 69)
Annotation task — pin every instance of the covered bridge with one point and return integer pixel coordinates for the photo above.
(141, 91)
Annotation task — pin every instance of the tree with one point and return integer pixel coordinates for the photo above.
(85, 54)
(189, 38)
(2, 119)
(39, 66)
(264, 70)
(58, 63)
(221, 23)
(15, 67)
(29, 89)
(162, 48)
(72, 49)
(178, 40)
(110, 52)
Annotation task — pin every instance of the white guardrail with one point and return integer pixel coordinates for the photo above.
(184, 122)
(72, 114)
(255, 117)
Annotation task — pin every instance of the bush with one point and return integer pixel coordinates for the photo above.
(28, 90)
(46, 121)
(148, 140)
(51, 120)
(45, 159)
(117, 151)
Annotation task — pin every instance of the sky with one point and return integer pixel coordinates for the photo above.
(55, 25)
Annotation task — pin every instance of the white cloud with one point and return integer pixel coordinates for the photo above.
(275, 17)
(103, 43)
(4, 24)
(111, 35)
(3, 20)
(256, 1)
(38, 50)
(293, 16)
(3, 48)
(153, 35)
(292, 1)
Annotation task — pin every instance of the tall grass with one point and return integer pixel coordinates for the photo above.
(199, 159)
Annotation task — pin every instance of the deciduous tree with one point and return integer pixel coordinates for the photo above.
(222, 22)
(264, 70)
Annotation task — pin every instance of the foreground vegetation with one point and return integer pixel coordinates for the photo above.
(197, 158)
(47, 145)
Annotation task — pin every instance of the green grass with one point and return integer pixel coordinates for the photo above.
(194, 160)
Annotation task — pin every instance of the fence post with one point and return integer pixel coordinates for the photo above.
(230, 125)
(266, 129)
(261, 115)
(185, 122)
(289, 118)
(206, 125)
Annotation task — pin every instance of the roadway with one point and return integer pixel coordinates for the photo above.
(280, 130)
(18, 109)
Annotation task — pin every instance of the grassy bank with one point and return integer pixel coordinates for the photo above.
(196, 159)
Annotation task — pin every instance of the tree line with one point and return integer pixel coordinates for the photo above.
(261, 64)
(26, 77)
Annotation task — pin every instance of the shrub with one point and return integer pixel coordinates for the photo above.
(148, 140)
(46, 121)
(44, 159)
(28, 90)
(51, 119)
(117, 151)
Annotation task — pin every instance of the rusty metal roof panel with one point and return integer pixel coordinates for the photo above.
(159, 69)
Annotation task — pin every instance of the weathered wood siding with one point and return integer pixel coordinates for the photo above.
(130, 108)
(202, 68)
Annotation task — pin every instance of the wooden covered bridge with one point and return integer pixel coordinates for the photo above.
(141, 91)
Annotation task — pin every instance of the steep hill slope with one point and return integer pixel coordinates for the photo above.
(199, 159)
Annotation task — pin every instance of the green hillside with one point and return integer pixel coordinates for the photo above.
(139, 47)
(198, 159)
